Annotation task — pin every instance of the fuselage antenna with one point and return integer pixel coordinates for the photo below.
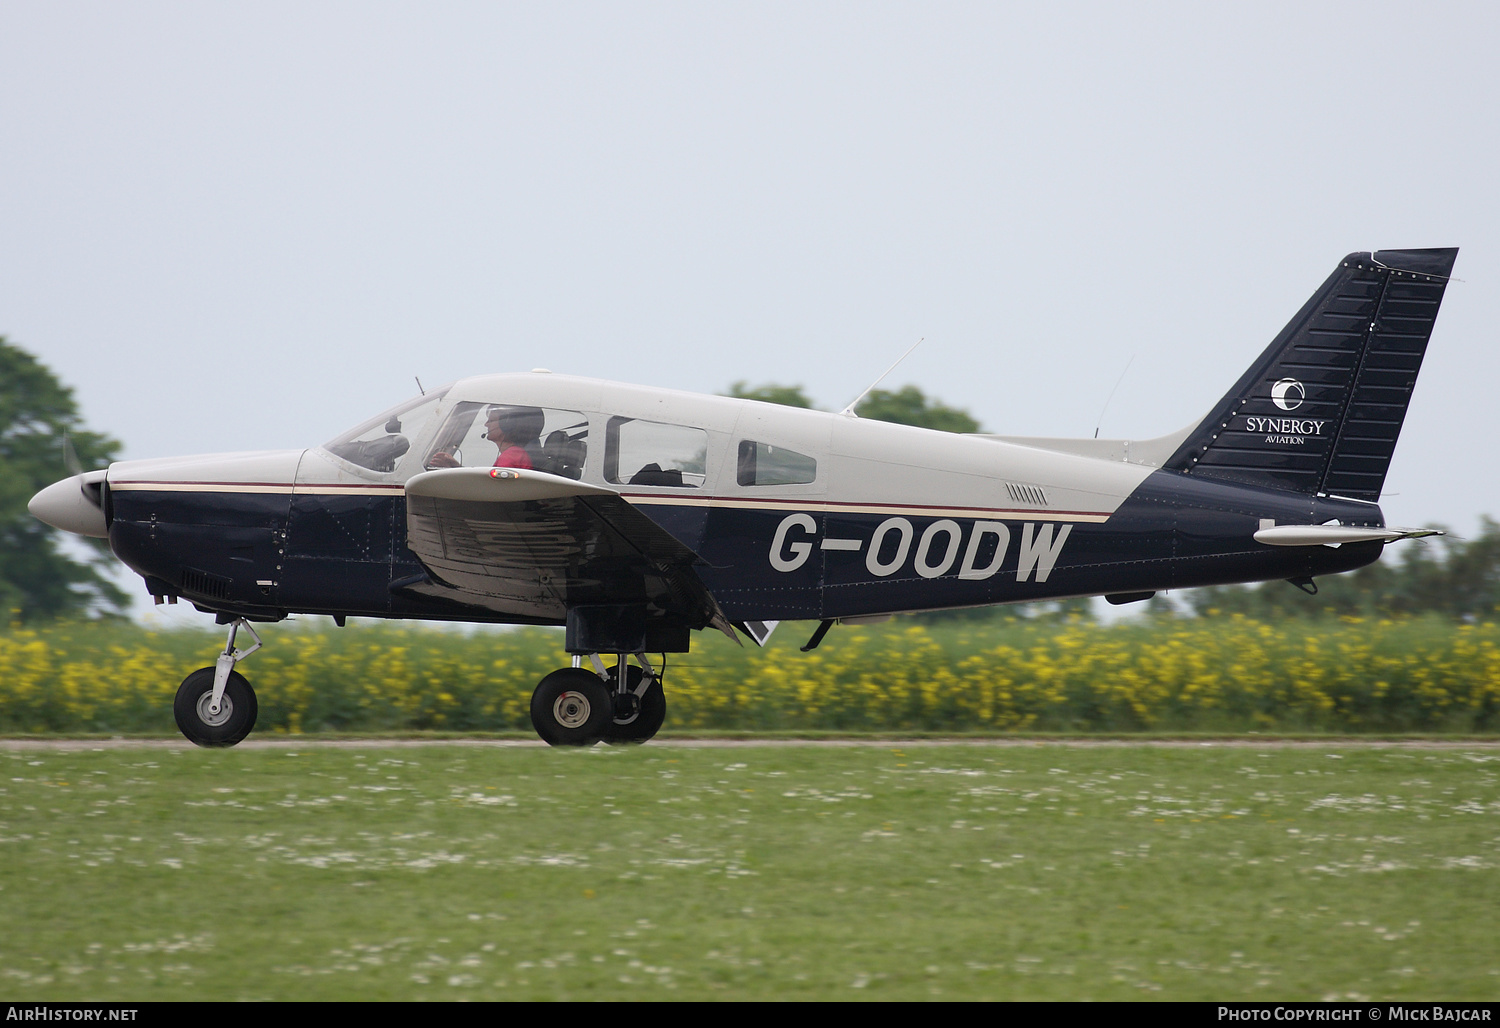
(419, 385)
(848, 411)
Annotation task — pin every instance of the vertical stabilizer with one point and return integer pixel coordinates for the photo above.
(1321, 409)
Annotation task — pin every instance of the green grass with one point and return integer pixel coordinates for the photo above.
(894, 871)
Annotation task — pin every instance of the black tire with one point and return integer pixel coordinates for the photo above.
(236, 715)
(571, 707)
(639, 725)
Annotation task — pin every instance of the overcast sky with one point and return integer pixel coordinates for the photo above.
(247, 225)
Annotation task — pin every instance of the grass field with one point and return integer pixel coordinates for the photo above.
(666, 872)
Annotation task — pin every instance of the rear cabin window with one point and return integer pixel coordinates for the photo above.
(764, 464)
(650, 453)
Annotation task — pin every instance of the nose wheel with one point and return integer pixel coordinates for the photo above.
(197, 717)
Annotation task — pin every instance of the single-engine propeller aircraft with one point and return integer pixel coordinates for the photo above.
(636, 516)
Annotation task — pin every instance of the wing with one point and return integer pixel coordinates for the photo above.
(531, 545)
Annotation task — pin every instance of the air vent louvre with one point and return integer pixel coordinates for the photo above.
(1026, 494)
(201, 583)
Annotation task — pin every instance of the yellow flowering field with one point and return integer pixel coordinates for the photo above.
(1228, 674)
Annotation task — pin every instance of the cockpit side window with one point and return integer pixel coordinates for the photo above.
(380, 443)
(502, 435)
(651, 453)
(764, 464)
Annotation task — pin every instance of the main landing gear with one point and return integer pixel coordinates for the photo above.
(215, 706)
(576, 706)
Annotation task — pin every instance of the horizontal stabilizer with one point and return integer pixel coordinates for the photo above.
(1336, 535)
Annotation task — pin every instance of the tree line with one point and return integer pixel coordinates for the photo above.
(905, 406)
(41, 577)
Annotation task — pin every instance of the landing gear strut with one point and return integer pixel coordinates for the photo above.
(576, 706)
(215, 706)
(640, 707)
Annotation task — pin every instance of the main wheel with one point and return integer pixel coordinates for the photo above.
(571, 707)
(645, 720)
(237, 709)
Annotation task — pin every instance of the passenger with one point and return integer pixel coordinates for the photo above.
(512, 430)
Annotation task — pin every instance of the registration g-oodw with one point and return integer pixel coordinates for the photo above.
(936, 552)
(635, 517)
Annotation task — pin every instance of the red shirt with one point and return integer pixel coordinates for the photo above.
(514, 457)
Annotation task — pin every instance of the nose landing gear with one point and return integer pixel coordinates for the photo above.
(215, 706)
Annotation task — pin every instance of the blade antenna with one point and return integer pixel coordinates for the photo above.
(1111, 395)
(848, 411)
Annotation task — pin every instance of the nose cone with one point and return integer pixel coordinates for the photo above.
(70, 505)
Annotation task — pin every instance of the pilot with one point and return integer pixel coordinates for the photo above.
(513, 430)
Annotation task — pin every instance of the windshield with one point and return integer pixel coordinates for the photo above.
(380, 443)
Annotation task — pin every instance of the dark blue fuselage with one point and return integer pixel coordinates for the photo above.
(264, 554)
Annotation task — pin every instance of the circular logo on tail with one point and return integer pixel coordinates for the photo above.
(1288, 394)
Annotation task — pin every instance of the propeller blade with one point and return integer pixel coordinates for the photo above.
(70, 456)
(90, 492)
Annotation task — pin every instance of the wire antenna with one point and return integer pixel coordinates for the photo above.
(1111, 395)
(848, 411)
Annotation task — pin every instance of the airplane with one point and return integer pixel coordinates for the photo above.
(634, 517)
